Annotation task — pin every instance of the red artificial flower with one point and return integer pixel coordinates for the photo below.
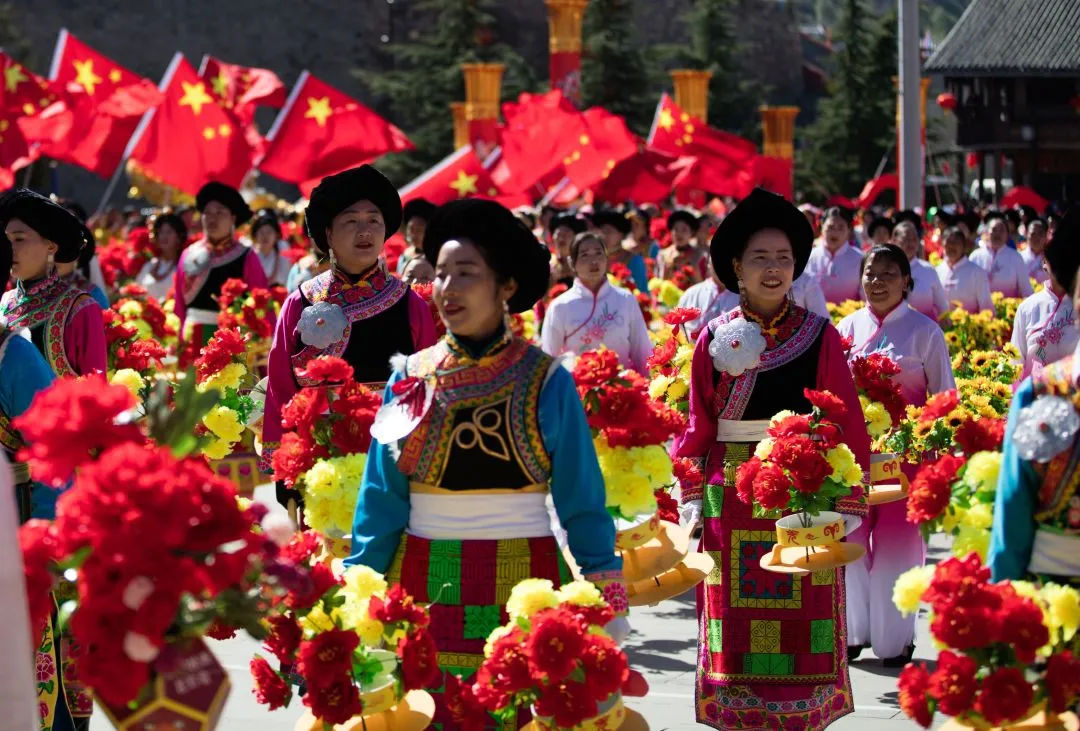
(71, 423)
(771, 487)
(399, 606)
(682, 315)
(931, 488)
(140, 355)
(302, 546)
(322, 578)
(419, 661)
(352, 434)
(133, 290)
(662, 354)
(939, 405)
(589, 616)
(335, 702)
(303, 410)
(256, 323)
(605, 666)
(1005, 696)
(466, 711)
(224, 345)
(801, 457)
(953, 684)
(220, 631)
(687, 472)
(965, 626)
(980, 435)
(506, 672)
(745, 475)
(327, 656)
(328, 369)
(283, 639)
(596, 369)
(791, 426)
(37, 544)
(554, 644)
(1062, 681)
(831, 407)
(232, 289)
(270, 688)
(913, 685)
(956, 578)
(295, 456)
(1022, 627)
(666, 506)
(827, 434)
(568, 702)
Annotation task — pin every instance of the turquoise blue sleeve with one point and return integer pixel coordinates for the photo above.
(1013, 531)
(577, 487)
(654, 250)
(382, 505)
(99, 296)
(641, 274)
(292, 280)
(24, 372)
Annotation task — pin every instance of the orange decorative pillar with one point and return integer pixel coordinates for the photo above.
(483, 85)
(692, 92)
(924, 90)
(777, 164)
(564, 45)
(461, 127)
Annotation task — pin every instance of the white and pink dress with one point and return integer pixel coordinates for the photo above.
(1044, 330)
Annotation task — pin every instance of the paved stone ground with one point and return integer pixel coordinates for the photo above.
(662, 646)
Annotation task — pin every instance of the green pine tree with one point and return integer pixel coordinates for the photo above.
(615, 71)
(855, 123)
(428, 77)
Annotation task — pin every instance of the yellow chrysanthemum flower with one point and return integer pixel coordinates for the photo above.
(363, 582)
(530, 596)
(877, 418)
(952, 518)
(217, 449)
(223, 423)
(1063, 604)
(496, 634)
(677, 390)
(581, 594)
(780, 416)
(970, 540)
(982, 471)
(129, 379)
(669, 294)
(909, 588)
(131, 309)
(764, 448)
(354, 615)
(228, 377)
(318, 620)
(658, 386)
(981, 515)
(842, 461)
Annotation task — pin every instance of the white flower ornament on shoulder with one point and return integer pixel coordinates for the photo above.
(737, 347)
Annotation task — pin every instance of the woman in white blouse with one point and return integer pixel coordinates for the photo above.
(962, 281)
(267, 243)
(593, 313)
(1044, 329)
(168, 234)
(889, 325)
(927, 297)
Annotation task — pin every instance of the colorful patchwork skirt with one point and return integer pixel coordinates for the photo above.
(466, 584)
(772, 647)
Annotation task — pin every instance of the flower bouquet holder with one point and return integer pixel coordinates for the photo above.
(612, 715)
(189, 695)
(888, 483)
(805, 544)
(241, 468)
(657, 561)
(1039, 720)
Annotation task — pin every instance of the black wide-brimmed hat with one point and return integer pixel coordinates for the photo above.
(612, 218)
(685, 216)
(1063, 251)
(50, 219)
(509, 247)
(758, 211)
(566, 220)
(418, 208)
(227, 196)
(337, 192)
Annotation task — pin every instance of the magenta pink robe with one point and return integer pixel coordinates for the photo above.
(253, 276)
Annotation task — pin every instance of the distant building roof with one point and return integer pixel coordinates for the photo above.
(1012, 38)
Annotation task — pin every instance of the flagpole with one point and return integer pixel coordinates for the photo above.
(655, 120)
(58, 53)
(143, 124)
(553, 191)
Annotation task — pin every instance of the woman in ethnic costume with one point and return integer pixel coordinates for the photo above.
(475, 435)
(356, 310)
(772, 646)
(1045, 327)
(1036, 531)
(212, 260)
(65, 323)
(890, 326)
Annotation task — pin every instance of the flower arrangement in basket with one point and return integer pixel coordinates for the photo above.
(222, 367)
(157, 548)
(251, 312)
(669, 364)
(882, 407)
(554, 657)
(802, 468)
(948, 419)
(629, 430)
(1008, 647)
(361, 649)
(324, 449)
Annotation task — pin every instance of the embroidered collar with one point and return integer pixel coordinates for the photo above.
(222, 248)
(462, 356)
(29, 306)
(770, 328)
(368, 284)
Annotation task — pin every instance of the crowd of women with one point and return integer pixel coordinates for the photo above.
(482, 453)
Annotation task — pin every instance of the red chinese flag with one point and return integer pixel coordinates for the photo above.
(541, 132)
(321, 131)
(104, 103)
(646, 177)
(776, 174)
(242, 88)
(713, 176)
(676, 133)
(606, 142)
(24, 96)
(190, 140)
(460, 175)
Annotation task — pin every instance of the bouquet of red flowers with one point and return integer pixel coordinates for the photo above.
(993, 634)
(249, 310)
(122, 259)
(221, 367)
(324, 449)
(801, 466)
(425, 292)
(357, 645)
(671, 359)
(879, 394)
(553, 655)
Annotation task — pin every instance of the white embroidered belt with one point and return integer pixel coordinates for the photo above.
(751, 430)
(477, 516)
(201, 317)
(1055, 554)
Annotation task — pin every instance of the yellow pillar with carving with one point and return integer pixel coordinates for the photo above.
(692, 91)
(565, 18)
(483, 89)
(778, 131)
(461, 127)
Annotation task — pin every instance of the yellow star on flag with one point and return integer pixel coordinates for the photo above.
(318, 109)
(115, 76)
(85, 76)
(208, 133)
(224, 130)
(464, 184)
(195, 96)
(667, 121)
(220, 84)
(13, 76)
(28, 109)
